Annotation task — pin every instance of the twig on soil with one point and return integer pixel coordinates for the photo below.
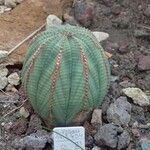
(10, 112)
(27, 38)
(5, 93)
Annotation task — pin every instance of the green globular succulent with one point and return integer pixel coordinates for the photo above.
(65, 74)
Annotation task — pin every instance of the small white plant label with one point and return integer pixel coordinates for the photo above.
(69, 138)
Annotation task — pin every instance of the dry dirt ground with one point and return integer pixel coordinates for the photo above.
(129, 30)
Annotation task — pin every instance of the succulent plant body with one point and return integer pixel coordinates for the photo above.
(65, 74)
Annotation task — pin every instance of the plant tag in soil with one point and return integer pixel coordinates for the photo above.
(69, 138)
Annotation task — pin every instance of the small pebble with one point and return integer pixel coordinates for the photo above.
(2, 10)
(84, 12)
(11, 88)
(8, 9)
(3, 72)
(69, 20)
(96, 117)
(14, 79)
(10, 3)
(96, 148)
(144, 63)
(24, 112)
(138, 96)
(100, 36)
(52, 20)
(3, 82)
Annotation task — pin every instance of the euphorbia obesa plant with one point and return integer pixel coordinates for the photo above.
(65, 74)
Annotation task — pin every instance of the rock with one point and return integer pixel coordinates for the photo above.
(147, 11)
(137, 95)
(3, 82)
(36, 141)
(34, 124)
(145, 144)
(10, 3)
(84, 12)
(144, 63)
(123, 48)
(96, 148)
(2, 2)
(2, 10)
(69, 20)
(11, 88)
(100, 36)
(123, 140)
(52, 20)
(96, 117)
(119, 112)
(14, 79)
(116, 9)
(107, 135)
(3, 72)
(24, 113)
(3, 54)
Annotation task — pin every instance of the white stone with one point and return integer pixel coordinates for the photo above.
(96, 148)
(10, 88)
(23, 112)
(52, 20)
(10, 3)
(138, 96)
(3, 54)
(63, 137)
(3, 72)
(3, 82)
(101, 36)
(8, 9)
(97, 117)
(14, 78)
